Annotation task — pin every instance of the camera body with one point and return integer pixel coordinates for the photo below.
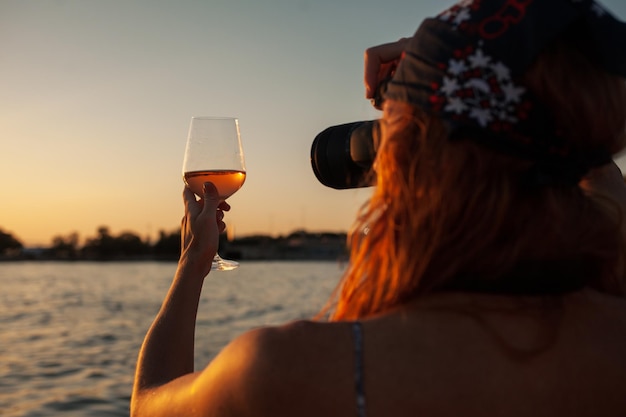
(342, 156)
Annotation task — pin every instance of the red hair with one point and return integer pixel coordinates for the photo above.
(448, 210)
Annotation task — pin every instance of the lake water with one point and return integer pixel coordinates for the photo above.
(70, 332)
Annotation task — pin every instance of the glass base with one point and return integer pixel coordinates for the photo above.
(220, 264)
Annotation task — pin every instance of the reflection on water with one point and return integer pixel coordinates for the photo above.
(70, 332)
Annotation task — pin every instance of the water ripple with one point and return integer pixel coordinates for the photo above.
(71, 332)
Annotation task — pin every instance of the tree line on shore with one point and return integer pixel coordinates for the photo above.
(103, 246)
(128, 245)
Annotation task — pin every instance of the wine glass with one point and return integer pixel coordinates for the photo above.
(214, 154)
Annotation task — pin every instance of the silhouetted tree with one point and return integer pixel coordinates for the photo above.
(100, 247)
(65, 247)
(168, 245)
(8, 243)
(130, 245)
(106, 247)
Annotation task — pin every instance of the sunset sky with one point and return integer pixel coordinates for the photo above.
(96, 99)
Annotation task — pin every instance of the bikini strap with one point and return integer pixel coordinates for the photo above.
(357, 339)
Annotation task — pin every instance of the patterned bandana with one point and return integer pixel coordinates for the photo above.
(464, 66)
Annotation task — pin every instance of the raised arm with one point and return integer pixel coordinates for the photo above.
(165, 363)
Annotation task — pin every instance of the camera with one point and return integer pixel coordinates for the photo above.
(342, 156)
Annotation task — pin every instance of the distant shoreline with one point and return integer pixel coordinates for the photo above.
(298, 246)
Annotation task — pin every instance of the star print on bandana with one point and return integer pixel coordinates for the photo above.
(459, 13)
(466, 66)
(480, 88)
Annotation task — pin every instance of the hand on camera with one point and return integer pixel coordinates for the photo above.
(380, 63)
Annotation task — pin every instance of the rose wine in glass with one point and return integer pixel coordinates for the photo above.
(226, 181)
(214, 154)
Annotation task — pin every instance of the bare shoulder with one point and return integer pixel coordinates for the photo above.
(283, 370)
(290, 350)
(299, 333)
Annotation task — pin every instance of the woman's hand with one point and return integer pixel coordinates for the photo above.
(380, 63)
(201, 226)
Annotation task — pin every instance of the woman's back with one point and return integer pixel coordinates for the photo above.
(500, 357)
(462, 354)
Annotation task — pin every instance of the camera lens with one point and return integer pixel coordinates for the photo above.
(341, 156)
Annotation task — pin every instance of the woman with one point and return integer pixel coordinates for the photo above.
(487, 271)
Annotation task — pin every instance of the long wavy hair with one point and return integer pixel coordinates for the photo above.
(451, 214)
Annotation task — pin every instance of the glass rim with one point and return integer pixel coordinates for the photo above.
(214, 118)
